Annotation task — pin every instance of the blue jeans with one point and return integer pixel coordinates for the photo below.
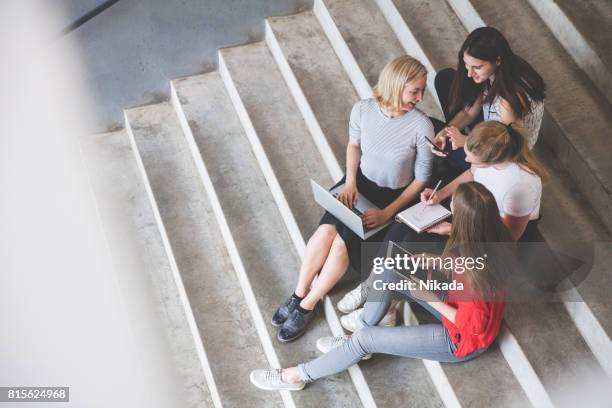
(425, 341)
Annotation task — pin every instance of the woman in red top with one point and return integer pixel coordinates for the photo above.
(470, 319)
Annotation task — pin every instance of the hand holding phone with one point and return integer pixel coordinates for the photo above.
(436, 148)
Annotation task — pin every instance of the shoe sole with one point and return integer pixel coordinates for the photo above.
(379, 325)
(291, 339)
(347, 311)
(275, 324)
(273, 388)
(348, 329)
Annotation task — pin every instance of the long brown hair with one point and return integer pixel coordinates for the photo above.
(476, 223)
(515, 80)
(493, 142)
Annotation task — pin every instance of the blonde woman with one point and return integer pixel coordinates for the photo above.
(502, 162)
(389, 162)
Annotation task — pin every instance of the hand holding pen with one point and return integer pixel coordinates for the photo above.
(429, 197)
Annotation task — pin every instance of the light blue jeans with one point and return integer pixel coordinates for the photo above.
(425, 341)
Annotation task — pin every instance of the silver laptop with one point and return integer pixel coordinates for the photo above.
(351, 217)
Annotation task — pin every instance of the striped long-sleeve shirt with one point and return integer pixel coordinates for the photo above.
(393, 150)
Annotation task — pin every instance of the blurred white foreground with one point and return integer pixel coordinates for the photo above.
(66, 319)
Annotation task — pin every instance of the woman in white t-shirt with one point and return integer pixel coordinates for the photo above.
(502, 162)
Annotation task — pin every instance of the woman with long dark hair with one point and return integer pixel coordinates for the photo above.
(490, 83)
(470, 319)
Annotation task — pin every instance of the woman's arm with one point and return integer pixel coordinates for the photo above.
(518, 204)
(433, 300)
(409, 194)
(469, 317)
(445, 310)
(423, 164)
(444, 228)
(508, 116)
(462, 119)
(353, 155)
(466, 116)
(516, 225)
(448, 189)
(373, 218)
(348, 195)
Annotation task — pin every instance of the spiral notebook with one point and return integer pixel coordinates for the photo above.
(421, 216)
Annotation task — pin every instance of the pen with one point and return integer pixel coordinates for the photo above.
(434, 190)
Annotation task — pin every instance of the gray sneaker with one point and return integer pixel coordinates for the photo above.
(325, 344)
(271, 380)
(352, 321)
(354, 299)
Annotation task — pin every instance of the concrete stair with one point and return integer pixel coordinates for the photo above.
(359, 22)
(281, 130)
(295, 42)
(588, 304)
(254, 221)
(223, 170)
(442, 46)
(137, 245)
(226, 325)
(329, 106)
(308, 77)
(578, 117)
(582, 28)
(419, 390)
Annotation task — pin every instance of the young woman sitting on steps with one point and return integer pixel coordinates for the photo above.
(501, 161)
(389, 162)
(490, 83)
(468, 324)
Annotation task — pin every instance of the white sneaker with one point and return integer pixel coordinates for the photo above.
(352, 321)
(271, 380)
(353, 300)
(325, 344)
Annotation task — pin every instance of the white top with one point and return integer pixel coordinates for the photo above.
(393, 150)
(532, 121)
(516, 191)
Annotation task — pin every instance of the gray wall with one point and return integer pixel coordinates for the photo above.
(135, 47)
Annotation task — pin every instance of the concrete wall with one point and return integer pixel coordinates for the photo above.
(135, 47)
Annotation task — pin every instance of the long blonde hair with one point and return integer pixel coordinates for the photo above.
(394, 76)
(493, 142)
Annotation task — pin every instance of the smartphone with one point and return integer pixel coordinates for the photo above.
(434, 146)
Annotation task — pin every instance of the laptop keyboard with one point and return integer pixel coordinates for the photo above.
(355, 210)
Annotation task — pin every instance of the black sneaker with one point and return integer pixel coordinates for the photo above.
(294, 326)
(285, 310)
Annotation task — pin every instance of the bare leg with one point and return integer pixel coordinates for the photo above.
(333, 269)
(291, 375)
(315, 255)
